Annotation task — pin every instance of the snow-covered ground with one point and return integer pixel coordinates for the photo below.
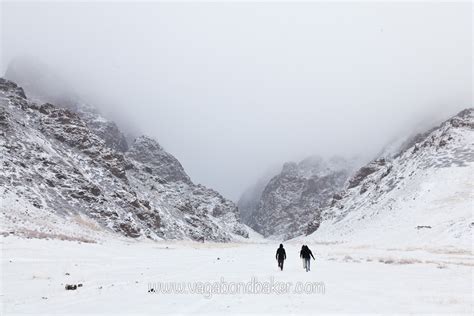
(117, 274)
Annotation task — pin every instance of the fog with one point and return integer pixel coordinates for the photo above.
(235, 89)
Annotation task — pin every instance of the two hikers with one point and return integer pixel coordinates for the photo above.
(280, 256)
(306, 255)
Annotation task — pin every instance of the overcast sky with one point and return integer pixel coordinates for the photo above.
(234, 89)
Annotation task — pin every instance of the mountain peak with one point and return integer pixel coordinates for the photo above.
(148, 151)
(146, 143)
(11, 87)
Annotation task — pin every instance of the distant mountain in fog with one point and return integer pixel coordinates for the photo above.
(284, 205)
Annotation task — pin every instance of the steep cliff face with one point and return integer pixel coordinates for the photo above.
(60, 176)
(290, 199)
(424, 191)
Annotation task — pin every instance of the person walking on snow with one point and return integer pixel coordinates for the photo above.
(280, 256)
(306, 254)
(301, 256)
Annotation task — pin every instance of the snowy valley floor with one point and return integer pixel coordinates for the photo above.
(116, 277)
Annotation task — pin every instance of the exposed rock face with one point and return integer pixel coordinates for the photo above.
(158, 162)
(105, 129)
(426, 182)
(42, 85)
(55, 168)
(290, 199)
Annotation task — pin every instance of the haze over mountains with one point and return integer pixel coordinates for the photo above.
(136, 188)
(231, 99)
(421, 196)
(159, 152)
(423, 181)
(67, 172)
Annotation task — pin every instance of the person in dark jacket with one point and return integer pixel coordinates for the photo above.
(306, 255)
(301, 256)
(280, 256)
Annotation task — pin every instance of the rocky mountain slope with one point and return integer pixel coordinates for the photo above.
(65, 172)
(423, 193)
(44, 86)
(289, 200)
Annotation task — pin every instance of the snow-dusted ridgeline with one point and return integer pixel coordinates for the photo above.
(423, 196)
(60, 177)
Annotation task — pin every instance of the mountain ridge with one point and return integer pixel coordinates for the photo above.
(54, 164)
(424, 192)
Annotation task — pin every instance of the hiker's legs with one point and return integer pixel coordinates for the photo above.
(308, 261)
(280, 264)
(304, 263)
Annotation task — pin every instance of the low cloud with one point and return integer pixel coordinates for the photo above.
(235, 89)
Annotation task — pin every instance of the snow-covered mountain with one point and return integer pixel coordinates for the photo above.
(44, 86)
(286, 204)
(64, 173)
(422, 193)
